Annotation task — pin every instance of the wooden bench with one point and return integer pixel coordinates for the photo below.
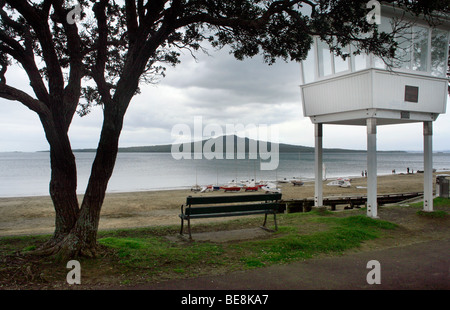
(236, 205)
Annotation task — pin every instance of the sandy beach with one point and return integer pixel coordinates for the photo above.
(35, 215)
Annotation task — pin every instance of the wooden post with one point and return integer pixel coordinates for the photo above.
(318, 197)
(428, 166)
(372, 168)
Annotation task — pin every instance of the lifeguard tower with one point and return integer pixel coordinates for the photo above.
(363, 90)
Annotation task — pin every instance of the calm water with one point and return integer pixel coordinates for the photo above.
(28, 174)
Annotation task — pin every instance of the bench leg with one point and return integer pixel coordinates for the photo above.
(181, 230)
(189, 228)
(265, 220)
(275, 220)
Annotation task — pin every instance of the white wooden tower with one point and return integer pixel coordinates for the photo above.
(363, 90)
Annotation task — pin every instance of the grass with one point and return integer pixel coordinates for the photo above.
(437, 202)
(133, 256)
(157, 253)
(343, 234)
(433, 214)
(288, 244)
(158, 256)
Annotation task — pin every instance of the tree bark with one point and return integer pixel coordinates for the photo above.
(82, 239)
(63, 182)
(63, 186)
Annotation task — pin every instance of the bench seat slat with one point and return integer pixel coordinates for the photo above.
(231, 198)
(197, 216)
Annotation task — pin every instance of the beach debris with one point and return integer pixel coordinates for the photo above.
(196, 188)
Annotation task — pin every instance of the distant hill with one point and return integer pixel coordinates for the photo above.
(212, 142)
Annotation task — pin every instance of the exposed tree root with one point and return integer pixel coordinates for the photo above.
(67, 248)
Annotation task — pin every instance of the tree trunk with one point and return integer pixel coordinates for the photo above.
(82, 239)
(63, 186)
(63, 182)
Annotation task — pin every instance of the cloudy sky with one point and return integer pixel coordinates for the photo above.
(220, 90)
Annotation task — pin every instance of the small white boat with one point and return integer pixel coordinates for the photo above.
(232, 186)
(340, 182)
(250, 186)
(297, 182)
(271, 188)
(206, 189)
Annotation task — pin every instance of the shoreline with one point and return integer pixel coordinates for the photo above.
(36, 215)
(107, 192)
(164, 189)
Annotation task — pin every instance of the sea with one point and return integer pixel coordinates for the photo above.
(28, 174)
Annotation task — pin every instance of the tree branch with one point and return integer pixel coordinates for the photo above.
(235, 22)
(29, 65)
(131, 18)
(72, 91)
(98, 71)
(12, 93)
(34, 18)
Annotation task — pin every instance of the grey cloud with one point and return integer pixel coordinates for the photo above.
(250, 80)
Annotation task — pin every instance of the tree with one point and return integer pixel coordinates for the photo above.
(97, 52)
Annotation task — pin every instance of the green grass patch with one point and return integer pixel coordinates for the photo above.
(441, 202)
(343, 234)
(156, 252)
(433, 214)
(12, 245)
(437, 202)
(290, 243)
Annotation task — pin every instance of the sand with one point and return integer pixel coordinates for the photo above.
(35, 215)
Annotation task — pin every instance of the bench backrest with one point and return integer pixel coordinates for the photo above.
(231, 199)
(271, 206)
